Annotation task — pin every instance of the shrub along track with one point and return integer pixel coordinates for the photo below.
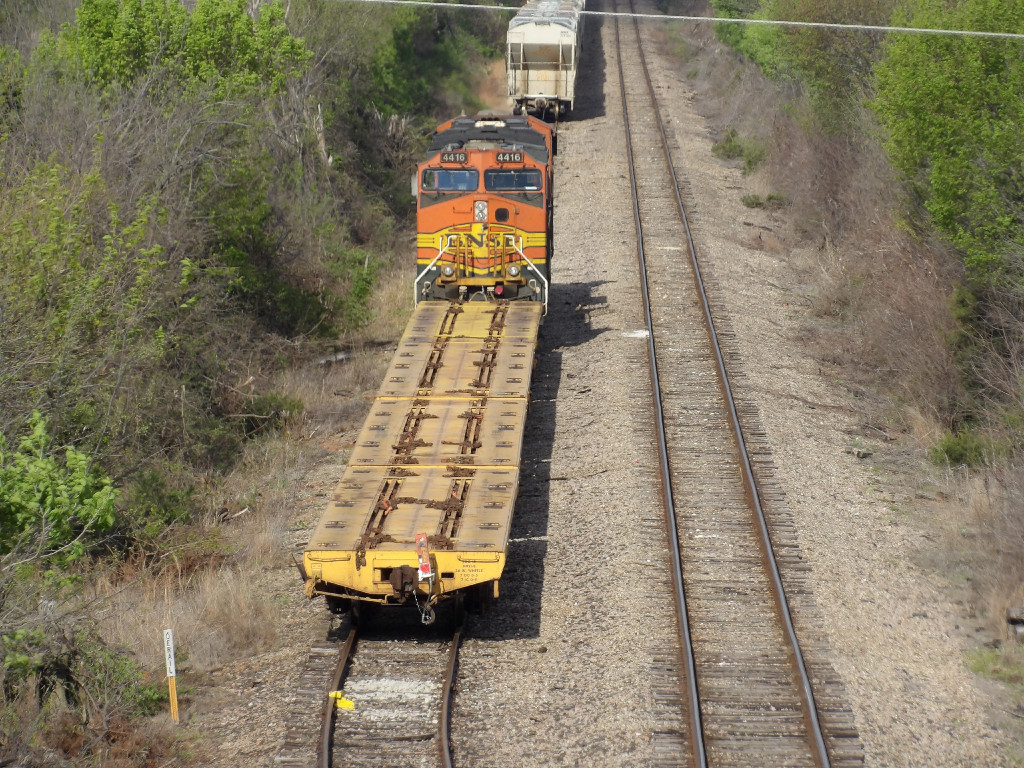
(750, 694)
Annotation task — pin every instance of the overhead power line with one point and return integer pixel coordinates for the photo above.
(1019, 36)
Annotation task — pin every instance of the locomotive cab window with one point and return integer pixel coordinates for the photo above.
(506, 180)
(449, 180)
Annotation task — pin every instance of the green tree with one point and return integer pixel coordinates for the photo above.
(118, 41)
(955, 122)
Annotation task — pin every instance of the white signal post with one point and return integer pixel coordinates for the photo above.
(169, 654)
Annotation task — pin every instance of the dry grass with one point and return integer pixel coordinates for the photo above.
(150, 744)
(218, 615)
(228, 616)
(885, 302)
(983, 530)
(259, 543)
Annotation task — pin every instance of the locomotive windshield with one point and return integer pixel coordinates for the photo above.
(504, 180)
(450, 180)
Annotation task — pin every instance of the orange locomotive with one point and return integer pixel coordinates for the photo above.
(484, 210)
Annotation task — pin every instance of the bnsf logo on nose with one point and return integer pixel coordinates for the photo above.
(491, 239)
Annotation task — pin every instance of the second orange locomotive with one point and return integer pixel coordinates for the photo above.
(484, 210)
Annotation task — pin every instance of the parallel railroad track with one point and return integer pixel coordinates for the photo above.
(759, 690)
(399, 691)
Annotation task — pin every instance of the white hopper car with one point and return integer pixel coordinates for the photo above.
(541, 56)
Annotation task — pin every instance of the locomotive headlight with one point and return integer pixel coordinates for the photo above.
(513, 271)
(480, 210)
(448, 271)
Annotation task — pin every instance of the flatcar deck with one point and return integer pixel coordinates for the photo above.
(432, 481)
(450, 367)
(481, 432)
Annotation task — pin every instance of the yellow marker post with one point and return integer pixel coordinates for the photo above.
(169, 654)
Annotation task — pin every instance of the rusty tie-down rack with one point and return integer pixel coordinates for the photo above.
(474, 417)
(452, 506)
(410, 439)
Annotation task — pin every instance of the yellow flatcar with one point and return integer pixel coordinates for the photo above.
(423, 510)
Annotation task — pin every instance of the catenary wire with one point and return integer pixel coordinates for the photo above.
(1018, 36)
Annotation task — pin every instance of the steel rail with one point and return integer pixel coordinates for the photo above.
(697, 746)
(811, 713)
(323, 755)
(443, 725)
(444, 720)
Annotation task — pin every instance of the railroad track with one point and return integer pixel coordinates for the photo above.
(391, 706)
(759, 687)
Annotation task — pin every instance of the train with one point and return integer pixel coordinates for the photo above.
(422, 513)
(542, 52)
(484, 210)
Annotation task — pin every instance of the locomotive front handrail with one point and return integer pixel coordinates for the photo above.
(519, 250)
(444, 244)
(442, 249)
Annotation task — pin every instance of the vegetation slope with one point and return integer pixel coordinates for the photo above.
(194, 197)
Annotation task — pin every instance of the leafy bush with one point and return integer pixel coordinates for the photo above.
(86, 293)
(734, 34)
(119, 41)
(58, 678)
(128, 299)
(271, 412)
(156, 504)
(998, 664)
(771, 201)
(732, 147)
(953, 114)
(10, 82)
(47, 506)
(967, 447)
(834, 67)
